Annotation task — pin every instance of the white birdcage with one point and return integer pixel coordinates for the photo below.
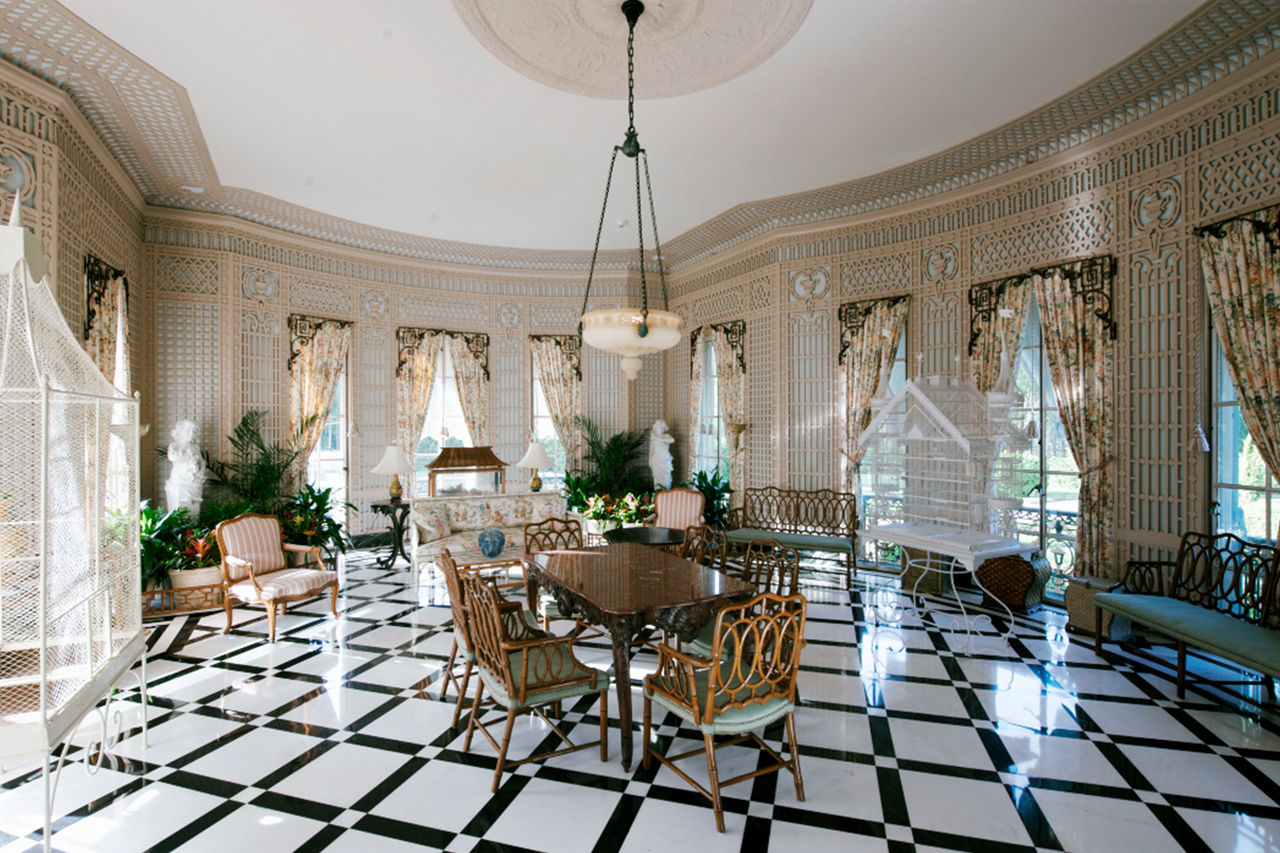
(70, 593)
(936, 454)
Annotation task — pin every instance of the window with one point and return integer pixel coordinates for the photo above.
(544, 430)
(874, 553)
(327, 465)
(1050, 482)
(1246, 496)
(711, 452)
(445, 426)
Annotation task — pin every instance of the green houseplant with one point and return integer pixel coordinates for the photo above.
(161, 540)
(715, 489)
(307, 520)
(614, 465)
(258, 472)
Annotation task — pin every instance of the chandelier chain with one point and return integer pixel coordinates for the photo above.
(631, 76)
(604, 206)
(644, 290)
(657, 241)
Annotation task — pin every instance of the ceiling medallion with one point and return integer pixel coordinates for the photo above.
(687, 45)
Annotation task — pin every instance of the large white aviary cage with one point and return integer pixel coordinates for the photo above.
(937, 460)
(70, 594)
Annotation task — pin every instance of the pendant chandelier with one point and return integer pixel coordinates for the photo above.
(631, 332)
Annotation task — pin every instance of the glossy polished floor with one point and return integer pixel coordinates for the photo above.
(327, 740)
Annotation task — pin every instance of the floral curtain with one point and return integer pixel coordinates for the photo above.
(1078, 333)
(731, 376)
(1241, 261)
(697, 340)
(470, 356)
(999, 313)
(106, 320)
(419, 354)
(559, 368)
(317, 353)
(869, 335)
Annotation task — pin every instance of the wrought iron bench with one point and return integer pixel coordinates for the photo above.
(819, 520)
(1222, 595)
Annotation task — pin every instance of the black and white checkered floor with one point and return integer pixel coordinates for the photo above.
(328, 740)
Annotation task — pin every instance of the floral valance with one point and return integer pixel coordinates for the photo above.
(303, 330)
(734, 333)
(409, 338)
(853, 317)
(1091, 280)
(570, 347)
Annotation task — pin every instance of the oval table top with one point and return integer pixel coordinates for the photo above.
(646, 535)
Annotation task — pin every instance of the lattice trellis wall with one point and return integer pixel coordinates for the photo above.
(210, 299)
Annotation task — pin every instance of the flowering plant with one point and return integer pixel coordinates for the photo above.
(599, 508)
(633, 508)
(201, 550)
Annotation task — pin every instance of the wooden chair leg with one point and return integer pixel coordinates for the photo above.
(709, 741)
(448, 675)
(226, 604)
(333, 601)
(644, 742)
(271, 621)
(1182, 670)
(604, 725)
(462, 692)
(475, 715)
(502, 751)
(795, 756)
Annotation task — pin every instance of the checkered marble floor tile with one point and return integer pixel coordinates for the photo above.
(913, 736)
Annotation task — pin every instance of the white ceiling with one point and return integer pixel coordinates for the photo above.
(390, 113)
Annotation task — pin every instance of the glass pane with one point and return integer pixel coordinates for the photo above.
(1223, 389)
(1238, 461)
(1244, 513)
(1057, 451)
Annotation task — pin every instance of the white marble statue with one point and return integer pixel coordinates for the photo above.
(185, 486)
(660, 442)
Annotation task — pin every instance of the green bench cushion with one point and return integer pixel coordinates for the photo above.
(800, 541)
(1254, 646)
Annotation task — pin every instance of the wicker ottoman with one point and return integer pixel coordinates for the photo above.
(1015, 581)
(1078, 599)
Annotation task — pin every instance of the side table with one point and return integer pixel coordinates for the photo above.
(397, 513)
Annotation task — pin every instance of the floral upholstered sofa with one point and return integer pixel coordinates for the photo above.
(455, 522)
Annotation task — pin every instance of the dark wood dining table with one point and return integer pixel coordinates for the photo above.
(656, 536)
(630, 590)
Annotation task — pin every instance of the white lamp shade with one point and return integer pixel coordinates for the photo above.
(535, 457)
(394, 461)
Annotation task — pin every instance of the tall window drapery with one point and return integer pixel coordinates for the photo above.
(418, 358)
(1074, 301)
(727, 341)
(558, 364)
(869, 336)
(106, 320)
(470, 354)
(1241, 263)
(317, 355)
(999, 315)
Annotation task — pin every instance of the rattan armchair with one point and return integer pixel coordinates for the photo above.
(255, 570)
(706, 546)
(554, 534)
(747, 683)
(524, 674)
(771, 567)
(519, 622)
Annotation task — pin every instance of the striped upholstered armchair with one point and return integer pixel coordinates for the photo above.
(255, 571)
(678, 508)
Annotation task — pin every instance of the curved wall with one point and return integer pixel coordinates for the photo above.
(213, 294)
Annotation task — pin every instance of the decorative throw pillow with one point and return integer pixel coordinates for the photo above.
(432, 524)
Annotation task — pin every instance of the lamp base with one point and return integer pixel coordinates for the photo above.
(396, 490)
(535, 483)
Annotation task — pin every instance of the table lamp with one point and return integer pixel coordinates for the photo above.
(535, 457)
(394, 462)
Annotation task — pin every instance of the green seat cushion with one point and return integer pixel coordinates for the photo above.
(800, 541)
(566, 670)
(1253, 646)
(730, 722)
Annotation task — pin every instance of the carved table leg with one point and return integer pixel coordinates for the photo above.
(622, 677)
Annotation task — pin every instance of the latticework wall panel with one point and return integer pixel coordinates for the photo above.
(188, 368)
(511, 367)
(810, 413)
(762, 412)
(372, 424)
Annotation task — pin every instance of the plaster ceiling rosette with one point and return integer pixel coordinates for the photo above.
(682, 46)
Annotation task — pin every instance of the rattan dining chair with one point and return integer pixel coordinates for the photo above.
(524, 674)
(522, 624)
(748, 682)
(768, 565)
(706, 546)
(555, 534)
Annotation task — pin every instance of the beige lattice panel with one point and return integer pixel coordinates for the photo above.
(762, 413)
(372, 424)
(188, 376)
(810, 425)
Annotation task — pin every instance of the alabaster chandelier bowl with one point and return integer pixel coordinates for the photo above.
(617, 330)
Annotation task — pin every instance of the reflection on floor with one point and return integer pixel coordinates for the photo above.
(328, 740)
